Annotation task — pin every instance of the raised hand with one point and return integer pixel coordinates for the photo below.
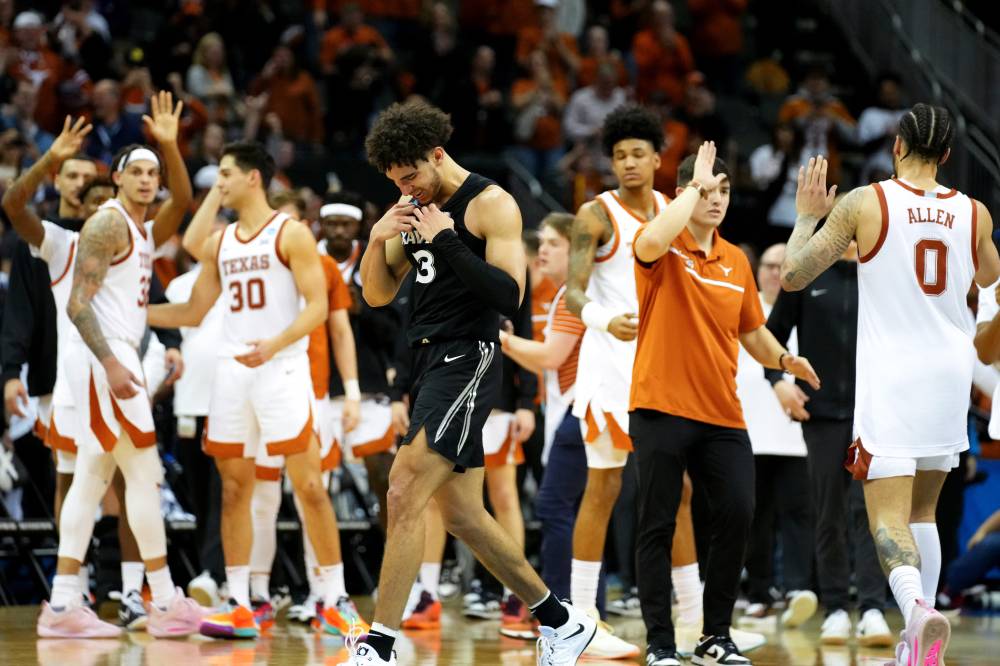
(165, 119)
(70, 140)
(704, 165)
(812, 198)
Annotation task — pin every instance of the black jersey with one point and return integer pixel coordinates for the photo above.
(442, 307)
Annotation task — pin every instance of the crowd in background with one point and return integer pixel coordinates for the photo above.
(527, 83)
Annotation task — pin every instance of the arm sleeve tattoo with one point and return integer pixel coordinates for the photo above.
(808, 254)
(102, 237)
(583, 248)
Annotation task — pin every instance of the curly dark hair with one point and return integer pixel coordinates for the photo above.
(403, 134)
(631, 122)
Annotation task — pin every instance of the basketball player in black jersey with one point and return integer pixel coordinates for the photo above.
(460, 235)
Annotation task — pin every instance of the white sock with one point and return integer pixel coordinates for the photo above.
(238, 579)
(687, 585)
(132, 573)
(906, 588)
(583, 581)
(430, 577)
(332, 578)
(260, 586)
(161, 587)
(84, 580)
(929, 546)
(65, 591)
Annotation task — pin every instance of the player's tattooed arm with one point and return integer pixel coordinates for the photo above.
(895, 548)
(103, 237)
(808, 254)
(591, 228)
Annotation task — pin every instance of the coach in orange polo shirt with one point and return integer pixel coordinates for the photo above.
(697, 303)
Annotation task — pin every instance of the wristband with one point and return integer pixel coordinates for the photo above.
(781, 359)
(595, 315)
(352, 390)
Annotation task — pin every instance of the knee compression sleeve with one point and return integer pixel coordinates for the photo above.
(76, 524)
(264, 507)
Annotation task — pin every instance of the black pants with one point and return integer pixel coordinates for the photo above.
(202, 496)
(720, 461)
(783, 507)
(840, 517)
(623, 524)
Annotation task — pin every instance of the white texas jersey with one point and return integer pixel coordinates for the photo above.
(604, 374)
(261, 298)
(58, 251)
(120, 303)
(915, 354)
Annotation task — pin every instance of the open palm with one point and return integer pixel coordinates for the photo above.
(70, 140)
(165, 119)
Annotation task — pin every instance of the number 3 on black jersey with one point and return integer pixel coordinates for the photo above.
(425, 271)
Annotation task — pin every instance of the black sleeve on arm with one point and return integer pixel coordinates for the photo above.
(498, 289)
(170, 338)
(783, 318)
(526, 382)
(18, 328)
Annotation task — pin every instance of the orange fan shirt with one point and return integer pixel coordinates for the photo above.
(692, 309)
(339, 298)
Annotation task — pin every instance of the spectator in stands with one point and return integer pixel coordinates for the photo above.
(438, 49)
(137, 84)
(538, 104)
(207, 148)
(478, 109)
(662, 56)
(588, 107)
(598, 53)
(34, 61)
(208, 76)
(21, 116)
(774, 168)
(700, 115)
(823, 119)
(626, 17)
(718, 39)
(351, 32)
(13, 149)
(982, 554)
(675, 145)
(291, 95)
(877, 128)
(84, 37)
(559, 48)
(113, 128)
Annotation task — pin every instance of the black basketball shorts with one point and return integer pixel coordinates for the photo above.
(456, 385)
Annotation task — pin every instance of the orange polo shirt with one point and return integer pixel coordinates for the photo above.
(692, 310)
(319, 351)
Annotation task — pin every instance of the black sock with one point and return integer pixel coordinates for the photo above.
(381, 643)
(550, 612)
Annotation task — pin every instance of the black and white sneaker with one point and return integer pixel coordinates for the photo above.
(627, 605)
(132, 611)
(718, 650)
(662, 657)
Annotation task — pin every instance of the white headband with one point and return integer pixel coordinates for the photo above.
(136, 155)
(344, 210)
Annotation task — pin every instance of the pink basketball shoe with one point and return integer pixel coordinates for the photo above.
(74, 622)
(925, 638)
(181, 618)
